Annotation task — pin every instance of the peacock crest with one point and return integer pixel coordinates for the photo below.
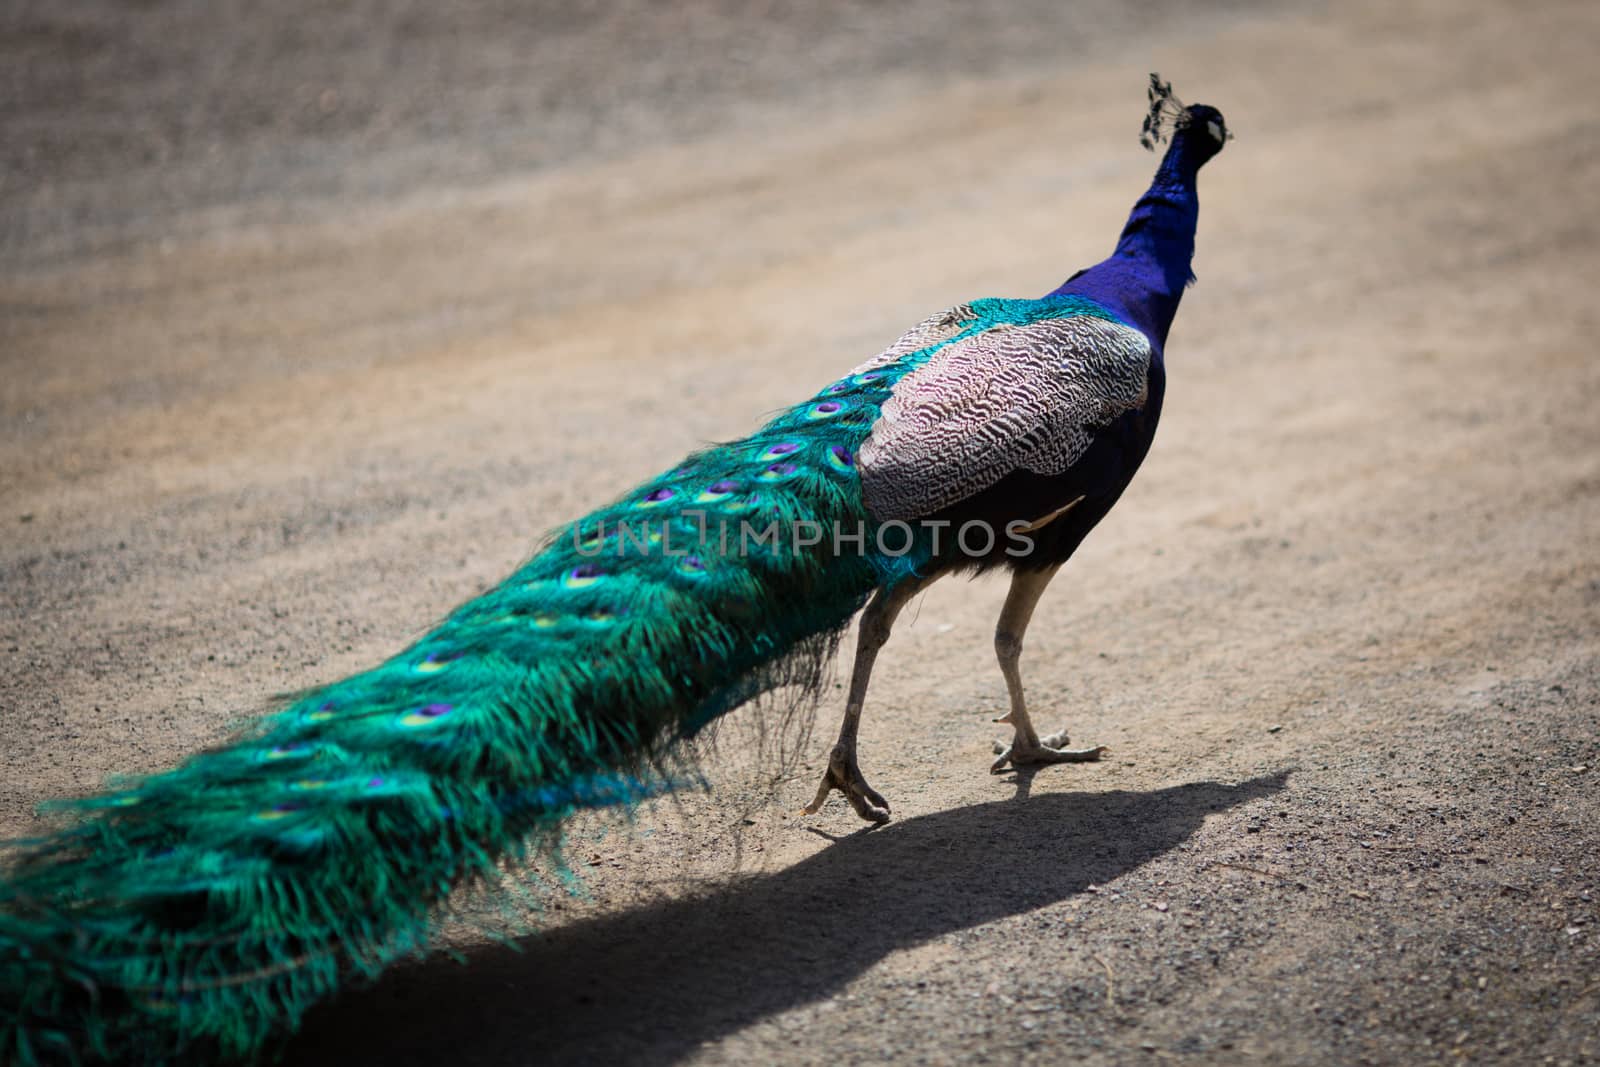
(1167, 113)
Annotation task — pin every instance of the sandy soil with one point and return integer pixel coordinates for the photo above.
(309, 330)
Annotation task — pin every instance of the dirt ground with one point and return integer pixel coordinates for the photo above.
(311, 326)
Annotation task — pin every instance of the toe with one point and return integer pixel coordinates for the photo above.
(867, 801)
(869, 805)
(843, 774)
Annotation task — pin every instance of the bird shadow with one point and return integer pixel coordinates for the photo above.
(650, 985)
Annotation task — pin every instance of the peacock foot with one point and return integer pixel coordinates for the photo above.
(1022, 752)
(843, 774)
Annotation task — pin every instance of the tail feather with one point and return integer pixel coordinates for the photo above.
(208, 907)
(205, 908)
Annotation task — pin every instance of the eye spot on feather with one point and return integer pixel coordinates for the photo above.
(836, 388)
(299, 748)
(658, 497)
(582, 576)
(779, 450)
(426, 715)
(278, 811)
(778, 471)
(825, 410)
(322, 714)
(867, 377)
(435, 662)
(691, 565)
(718, 491)
(841, 458)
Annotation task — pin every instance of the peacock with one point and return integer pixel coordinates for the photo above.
(198, 913)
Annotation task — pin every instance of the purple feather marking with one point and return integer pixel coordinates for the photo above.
(437, 661)
(828, 407)
(781, 468)
(425, 715)
(843, 455)
(660, 494)
(724, 486)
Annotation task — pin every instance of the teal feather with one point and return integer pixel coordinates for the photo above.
(204, 909)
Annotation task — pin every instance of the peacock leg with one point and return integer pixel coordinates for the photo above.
(1026, 747)
(843, 774)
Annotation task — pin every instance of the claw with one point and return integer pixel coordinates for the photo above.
(1021, 753)
(843, 774)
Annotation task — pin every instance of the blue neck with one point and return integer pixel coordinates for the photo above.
(1143, 280)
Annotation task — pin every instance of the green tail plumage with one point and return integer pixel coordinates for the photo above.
(204, 909)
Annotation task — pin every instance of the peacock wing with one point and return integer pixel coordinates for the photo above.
(1015, 396)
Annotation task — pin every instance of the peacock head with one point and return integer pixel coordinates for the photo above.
(1197, 130)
